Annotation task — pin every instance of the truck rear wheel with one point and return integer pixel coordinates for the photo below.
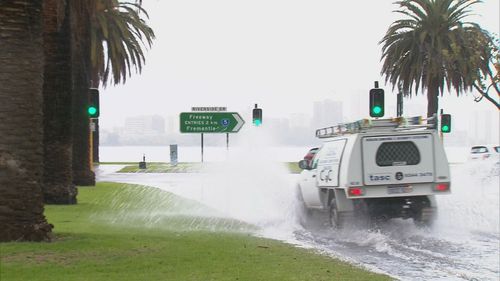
(336, 218)
(425, 217)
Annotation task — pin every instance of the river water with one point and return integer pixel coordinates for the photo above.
(220, 153)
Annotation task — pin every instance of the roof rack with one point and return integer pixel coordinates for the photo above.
(388, 124)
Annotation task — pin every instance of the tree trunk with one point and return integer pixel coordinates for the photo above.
(58, 187)
(80, 57)
(432, 97)
(21, 150)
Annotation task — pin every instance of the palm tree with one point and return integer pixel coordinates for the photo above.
(80, 12)
(425, 50)
(120, 27)
(58, 187)
(118, 37)
(21, 129)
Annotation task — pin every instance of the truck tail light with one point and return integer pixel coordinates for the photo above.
(444, 186)
(356, 191)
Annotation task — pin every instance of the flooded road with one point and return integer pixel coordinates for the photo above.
(464, 243)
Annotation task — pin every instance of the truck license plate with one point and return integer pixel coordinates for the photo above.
(399, 189)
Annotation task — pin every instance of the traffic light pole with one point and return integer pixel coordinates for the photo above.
(202, 148)
(399, 102)
(95, 141)
(91, 142)
(439, 126)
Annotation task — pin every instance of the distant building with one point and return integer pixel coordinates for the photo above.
(327, 113)
(299, 120)
(172, 125)
(455, 138)
(483, 127)
(145, 125)
(279, 128)
(358, 106)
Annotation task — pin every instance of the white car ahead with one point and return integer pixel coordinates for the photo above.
(485, 152)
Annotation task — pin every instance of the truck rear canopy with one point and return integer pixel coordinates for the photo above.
(401, 159)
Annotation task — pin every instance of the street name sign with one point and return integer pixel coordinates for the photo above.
(209, 108)
(210, 122)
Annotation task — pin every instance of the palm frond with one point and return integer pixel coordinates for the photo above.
(431, 46)
(121, 28)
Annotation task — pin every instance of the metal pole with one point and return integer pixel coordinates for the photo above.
(227, 141)
(91, 142)
(202, 148)
(399, 101)
(399, 104)
(95, 140)
(439, 125)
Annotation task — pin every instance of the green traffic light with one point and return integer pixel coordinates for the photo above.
(257, 122)
(377, 109)
(445, 129)
(92, 110)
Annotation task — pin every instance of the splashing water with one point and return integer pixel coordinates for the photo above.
(253, 186)
(464, 243)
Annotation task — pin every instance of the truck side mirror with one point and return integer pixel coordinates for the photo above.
(304, 165)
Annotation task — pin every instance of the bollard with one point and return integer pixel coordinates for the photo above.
(142, 165)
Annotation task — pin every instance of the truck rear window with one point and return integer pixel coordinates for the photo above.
(399, 153)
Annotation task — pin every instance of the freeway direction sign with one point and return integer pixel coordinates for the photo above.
(210, 122)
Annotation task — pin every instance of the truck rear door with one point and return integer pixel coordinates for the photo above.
(399, 159)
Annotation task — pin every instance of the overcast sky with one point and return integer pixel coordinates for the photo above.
(283, 55)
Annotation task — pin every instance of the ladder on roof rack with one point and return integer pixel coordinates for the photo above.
(364, 125)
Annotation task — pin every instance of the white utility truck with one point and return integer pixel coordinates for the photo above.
(376, 170)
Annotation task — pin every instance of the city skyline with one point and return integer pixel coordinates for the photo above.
(295, 129)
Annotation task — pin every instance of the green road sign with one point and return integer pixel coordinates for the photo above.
(210, 122)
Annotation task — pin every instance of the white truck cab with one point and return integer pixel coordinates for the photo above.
(376, 169)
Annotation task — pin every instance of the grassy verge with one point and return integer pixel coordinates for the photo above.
(123, 163)
(186, 167)
(127, 232)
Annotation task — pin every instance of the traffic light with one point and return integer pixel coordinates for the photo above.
(93, 106)
(377, 102)
(445, 123)
(257, 116)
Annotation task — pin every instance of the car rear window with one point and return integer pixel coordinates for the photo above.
(478, 149)
(398, 153)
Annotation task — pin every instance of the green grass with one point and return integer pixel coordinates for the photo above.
(184, 167)
(123, 163)
(293, 167)
(187, 167)
(127, 232)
